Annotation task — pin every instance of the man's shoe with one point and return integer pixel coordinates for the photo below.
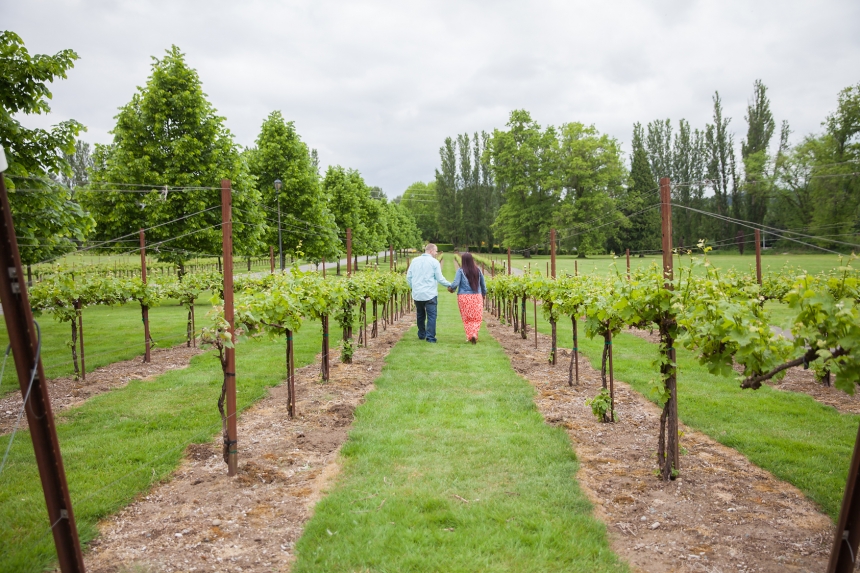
(432, 341)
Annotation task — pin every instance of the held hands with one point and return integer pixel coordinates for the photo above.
(450, 289)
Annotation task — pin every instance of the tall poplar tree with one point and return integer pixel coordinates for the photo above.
(721, 169)
(757, 184)
(642, 233)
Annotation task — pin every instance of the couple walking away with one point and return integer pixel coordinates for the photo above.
(425, 272)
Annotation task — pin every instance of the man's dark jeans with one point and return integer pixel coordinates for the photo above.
(427, 311)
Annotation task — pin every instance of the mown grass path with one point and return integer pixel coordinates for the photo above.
(450, 467)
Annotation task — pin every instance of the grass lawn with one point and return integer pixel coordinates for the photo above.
(604, 264)
(447, 420)
(118, 444)
(111, 334)
(788, 434)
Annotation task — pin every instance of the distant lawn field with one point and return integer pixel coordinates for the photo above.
(772, 262)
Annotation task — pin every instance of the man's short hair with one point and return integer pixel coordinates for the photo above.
(430, 247)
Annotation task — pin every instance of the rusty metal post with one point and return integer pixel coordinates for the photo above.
(26, 346)
(758, 256)
(349, 252)
(230, 353)
(847, 537)
(552, 250)
(147, 357)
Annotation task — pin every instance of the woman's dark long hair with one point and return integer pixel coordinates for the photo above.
(470, 269)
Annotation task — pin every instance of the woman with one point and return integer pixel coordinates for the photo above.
(471, 290)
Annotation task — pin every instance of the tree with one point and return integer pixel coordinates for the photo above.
(346, 193)
(47, 221)
(757, 182)
(643, 231)
(169, 136)
(720, 168)
(592, 176)
(420, 200)
(524, 161)
(688, 189)
(449, 197)
(306, 220)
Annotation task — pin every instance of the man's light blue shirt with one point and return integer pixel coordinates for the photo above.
(422, 276)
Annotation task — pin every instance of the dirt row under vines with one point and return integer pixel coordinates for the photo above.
(203, 520)
(722, 514)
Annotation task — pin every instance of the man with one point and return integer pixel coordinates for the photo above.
(423, 274)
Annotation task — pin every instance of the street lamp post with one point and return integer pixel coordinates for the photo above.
(280, 240)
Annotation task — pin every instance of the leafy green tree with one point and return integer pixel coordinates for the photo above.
(169, 136)
(524, 163)
(720, 168)
(47, 221)
(688, 189)
(757, 184)
(592, 176)
(347, 195)
(642, 233)
(420, 200)
(281, 155)
(449, 203)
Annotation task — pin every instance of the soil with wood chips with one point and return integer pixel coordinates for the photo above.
(722, 514)
(203, 520)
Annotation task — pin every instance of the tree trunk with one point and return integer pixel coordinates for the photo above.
(75, 349)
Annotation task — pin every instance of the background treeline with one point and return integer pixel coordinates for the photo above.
(163, 170)
(508, 188)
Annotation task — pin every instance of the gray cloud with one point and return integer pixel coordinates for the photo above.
(378, 85)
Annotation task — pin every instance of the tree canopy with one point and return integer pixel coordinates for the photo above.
(48, 222)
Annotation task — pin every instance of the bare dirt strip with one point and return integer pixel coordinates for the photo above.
(723, 514)
(66, 392)
(203, 520)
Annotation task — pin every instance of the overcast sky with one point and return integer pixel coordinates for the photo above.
(377, 86)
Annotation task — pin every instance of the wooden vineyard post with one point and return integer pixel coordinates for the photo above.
(534, 300)
(349, 252)
(758, 256)
(668, 449)
(847, 537)
(492, 268)
(628, 264)
(324, 362)
(509, 260)
(611, 382)
(81, 339)
(144, 309)
(554, 349)
(291, 383)
(26, 343)
(272, 258)
(323, 266)
(574, 358)
(391, 257)
(231, 439)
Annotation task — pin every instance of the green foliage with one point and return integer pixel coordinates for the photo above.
(601, 404)
(169, 135)
(47, 220)
(421, 201)
(280, 154)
